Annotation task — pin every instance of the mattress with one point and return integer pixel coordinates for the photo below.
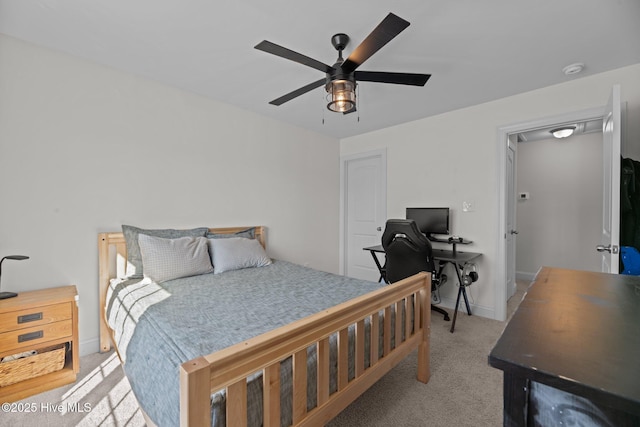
(158, 327)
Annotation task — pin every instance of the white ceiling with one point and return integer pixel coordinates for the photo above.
(476, 51)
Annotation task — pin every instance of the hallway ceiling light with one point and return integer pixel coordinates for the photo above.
(563, 132)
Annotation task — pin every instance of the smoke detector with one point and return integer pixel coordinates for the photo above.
(573, 68)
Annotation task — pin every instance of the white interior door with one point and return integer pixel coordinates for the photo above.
(610, 240)
(511, 232)
(365, 211)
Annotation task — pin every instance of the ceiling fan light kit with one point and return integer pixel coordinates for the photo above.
(340, 80)
(341, 95)
(340, 87)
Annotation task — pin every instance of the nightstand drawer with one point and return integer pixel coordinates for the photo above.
(29, 337)
(34, 316)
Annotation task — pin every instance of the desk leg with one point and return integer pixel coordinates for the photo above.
(460, 288)
(466, 300)
(383, 276)
(455, 313)
(461, 291)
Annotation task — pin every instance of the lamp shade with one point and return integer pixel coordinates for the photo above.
(342, 96)
(15, 257)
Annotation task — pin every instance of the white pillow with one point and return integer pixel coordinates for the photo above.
(235, 253)
(167, 259)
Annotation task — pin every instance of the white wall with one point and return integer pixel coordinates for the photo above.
(85, 148)
(559, 225)
(451, 158)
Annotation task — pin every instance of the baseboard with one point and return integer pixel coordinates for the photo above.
(522, 275)
(89, 346)
(476, 310)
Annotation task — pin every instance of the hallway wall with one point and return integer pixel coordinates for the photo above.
(559, 225)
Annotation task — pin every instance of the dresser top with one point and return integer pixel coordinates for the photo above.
(577, 331)
(40, 297)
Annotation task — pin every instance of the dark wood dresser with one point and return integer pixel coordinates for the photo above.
(571, 352)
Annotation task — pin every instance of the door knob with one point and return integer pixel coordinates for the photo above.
(612, 249)
(514, 231)
(379, 228)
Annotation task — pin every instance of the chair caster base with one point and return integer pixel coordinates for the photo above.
(441, 311)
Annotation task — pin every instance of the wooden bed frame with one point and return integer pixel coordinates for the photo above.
(229, 368)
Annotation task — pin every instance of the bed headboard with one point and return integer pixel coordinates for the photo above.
(112, 262)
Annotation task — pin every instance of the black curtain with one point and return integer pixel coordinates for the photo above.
(630, 203)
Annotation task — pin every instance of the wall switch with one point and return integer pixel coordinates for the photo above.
(468, 206)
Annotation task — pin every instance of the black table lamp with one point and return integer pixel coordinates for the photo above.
(5, 295)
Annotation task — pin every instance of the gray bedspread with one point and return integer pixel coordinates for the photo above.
(160, 326)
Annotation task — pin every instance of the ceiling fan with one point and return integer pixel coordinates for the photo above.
(340, 78)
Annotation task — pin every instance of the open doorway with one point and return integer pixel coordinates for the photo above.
(558, 212)
(507, 137)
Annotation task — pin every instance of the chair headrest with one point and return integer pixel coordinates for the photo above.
(406, 228)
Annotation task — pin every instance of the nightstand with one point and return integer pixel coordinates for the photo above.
(38, 320)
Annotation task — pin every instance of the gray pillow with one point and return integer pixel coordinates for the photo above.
(249, 233)
(167, 259)
(235, 253)
(134, 260)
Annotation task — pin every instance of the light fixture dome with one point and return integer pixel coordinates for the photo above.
(563, 132)
(341, 95)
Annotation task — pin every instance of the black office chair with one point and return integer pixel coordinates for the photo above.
(408, 252)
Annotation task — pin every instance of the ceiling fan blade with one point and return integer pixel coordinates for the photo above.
(283, 52)
(298, 92)
(390, 27)
(397, 78)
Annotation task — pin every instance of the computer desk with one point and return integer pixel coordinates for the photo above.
(456, 258)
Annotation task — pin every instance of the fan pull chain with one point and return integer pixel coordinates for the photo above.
(322, 107)
(358, 110)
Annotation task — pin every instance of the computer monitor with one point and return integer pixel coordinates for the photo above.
(430, 220)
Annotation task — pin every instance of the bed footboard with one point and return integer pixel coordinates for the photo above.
(229, 368)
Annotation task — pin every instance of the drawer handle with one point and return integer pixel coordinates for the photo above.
(30, 336)
(30, 317)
